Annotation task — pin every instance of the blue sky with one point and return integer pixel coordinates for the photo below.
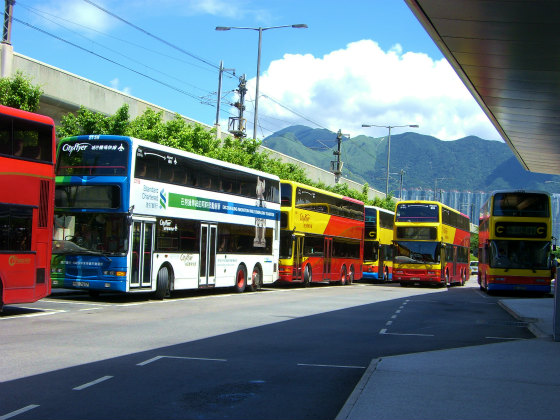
(366, 61)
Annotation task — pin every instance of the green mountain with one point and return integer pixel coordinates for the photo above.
(467, 164)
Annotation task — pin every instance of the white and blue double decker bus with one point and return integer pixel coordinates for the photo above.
(136, 216)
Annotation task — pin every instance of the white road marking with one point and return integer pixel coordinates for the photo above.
(21, 410)
(388, 323)
(154, 359)
(102, 379)
(90, 309)
(505, 338)
(332, 366)
(418, 335)
(46, 313)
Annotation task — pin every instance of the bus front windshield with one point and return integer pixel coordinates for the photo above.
(107, 157)
(99, 233)
(414, 252)
(533, 255)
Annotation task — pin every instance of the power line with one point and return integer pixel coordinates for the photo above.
(43, 14)
(169, 44)
(125, 56)
(184, 92)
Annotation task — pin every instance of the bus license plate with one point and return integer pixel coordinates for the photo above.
(415, 278)
(80, 284)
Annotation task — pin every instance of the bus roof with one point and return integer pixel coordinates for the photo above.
(380, 209)
(18, 113)
(437, 203)
(332, 194)
(146, 143)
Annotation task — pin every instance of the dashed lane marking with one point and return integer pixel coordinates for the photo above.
(154, 359)
(21, 410)
(331, 366)
(84, 386)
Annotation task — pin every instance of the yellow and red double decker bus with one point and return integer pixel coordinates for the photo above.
(514, 241)
(378, 244)
(321, 236)
(432, 243)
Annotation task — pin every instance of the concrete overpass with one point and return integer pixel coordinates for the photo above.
(64, 92)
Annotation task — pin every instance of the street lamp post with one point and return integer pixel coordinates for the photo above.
(389, 146)
(261, 30)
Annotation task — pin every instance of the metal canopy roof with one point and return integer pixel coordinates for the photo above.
(507, 52)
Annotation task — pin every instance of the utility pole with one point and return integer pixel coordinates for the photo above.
(8, 12)
(236, 125)
(217, 125)
(401, 186)
(336, 165)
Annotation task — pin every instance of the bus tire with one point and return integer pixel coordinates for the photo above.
(307, 276)
(162, 284)
(342, 277)
(240, 279)
(351, 275)
(256, 279)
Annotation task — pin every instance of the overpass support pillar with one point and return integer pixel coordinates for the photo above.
(6, 59)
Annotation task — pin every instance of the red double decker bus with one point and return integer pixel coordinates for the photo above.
(321, 236)
(27, 152)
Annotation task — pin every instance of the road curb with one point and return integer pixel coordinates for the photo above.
(355, 395)
(532, 322)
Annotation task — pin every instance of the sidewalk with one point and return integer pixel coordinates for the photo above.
(510, 380)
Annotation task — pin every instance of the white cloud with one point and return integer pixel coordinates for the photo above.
(80, 13)
(364, 84)
(115, 85)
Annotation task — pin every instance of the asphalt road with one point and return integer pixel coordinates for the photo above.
(281, 353)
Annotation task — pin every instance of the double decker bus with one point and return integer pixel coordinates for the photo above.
(27, 144)
(432, 244)
(321, 236)
(514, 240)
(136, 216)
(378, 244)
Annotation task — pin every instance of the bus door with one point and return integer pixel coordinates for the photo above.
(207, 265)
(455, 249)
(381, 254)
(327, 259)
(298, 257)
(143, 232)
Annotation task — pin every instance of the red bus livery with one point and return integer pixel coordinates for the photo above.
(321, 236)
(27, 143)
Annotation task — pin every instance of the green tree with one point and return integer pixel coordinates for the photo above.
(18, 92)
(89, 122)
(195, 138)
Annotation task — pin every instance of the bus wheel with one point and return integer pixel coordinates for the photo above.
(351, 275)
(162, 284)
(256, 279)
(241, 279)
(307, 276)
(343, 275)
